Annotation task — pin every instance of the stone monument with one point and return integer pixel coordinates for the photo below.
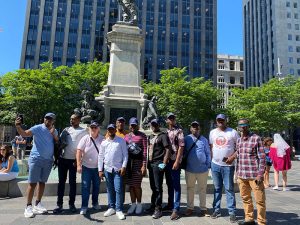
(123, 94)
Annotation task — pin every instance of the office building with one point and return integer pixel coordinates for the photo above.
(178, 33)
(271, 39)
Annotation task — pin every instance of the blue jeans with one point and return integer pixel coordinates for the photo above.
(114, 184)
(223, 175)
(174, 188)
(88, 176)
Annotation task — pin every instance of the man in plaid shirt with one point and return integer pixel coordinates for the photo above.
(250, 172)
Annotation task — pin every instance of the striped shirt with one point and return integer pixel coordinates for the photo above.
(141, 140)
(251, 157)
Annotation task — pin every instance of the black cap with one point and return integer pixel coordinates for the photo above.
(195, 123)
(170, 115)
(121, 118)
(154, 121)
(111, 126)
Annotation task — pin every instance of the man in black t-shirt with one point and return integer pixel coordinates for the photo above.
(158, 156)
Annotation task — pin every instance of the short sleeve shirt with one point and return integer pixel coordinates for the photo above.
(223, 143)
(88, 150)
(159, 145)
(43, 142)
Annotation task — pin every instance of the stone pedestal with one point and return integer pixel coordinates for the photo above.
(123, 95)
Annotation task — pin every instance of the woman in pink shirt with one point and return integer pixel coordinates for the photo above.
(280, 154)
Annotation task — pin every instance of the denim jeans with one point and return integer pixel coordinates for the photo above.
(223, 175)
(88, 176)
(156, 177)
(65, 165)
(114, 183)
(174, 188)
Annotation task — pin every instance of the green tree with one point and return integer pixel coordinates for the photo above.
(49, 89)
(274, 107)
(194, 99)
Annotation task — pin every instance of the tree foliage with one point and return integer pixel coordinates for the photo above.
(274, 107)
(194, 99)
(49, 89)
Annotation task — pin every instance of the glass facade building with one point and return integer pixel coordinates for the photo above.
(177, 33)
(271, 39)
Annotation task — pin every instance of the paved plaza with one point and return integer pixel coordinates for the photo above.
(282, 208)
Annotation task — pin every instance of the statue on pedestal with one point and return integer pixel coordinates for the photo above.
(90, 109)
(130, 11)
(151, 112)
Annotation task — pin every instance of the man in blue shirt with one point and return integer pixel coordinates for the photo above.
(197, 152)
(40, 160)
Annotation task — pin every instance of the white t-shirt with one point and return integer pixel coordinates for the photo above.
(223, 144)
(89, 152)
(75, 135)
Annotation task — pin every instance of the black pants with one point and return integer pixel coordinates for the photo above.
(156, 177)
(65, 165)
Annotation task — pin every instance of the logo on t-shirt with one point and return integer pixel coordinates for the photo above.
(221, 141)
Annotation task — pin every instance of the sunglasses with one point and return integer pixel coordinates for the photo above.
(243, 125)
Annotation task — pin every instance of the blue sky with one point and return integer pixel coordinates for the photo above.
(12, 17)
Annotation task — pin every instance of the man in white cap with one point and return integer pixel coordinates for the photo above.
(222, 143)
(40, 160)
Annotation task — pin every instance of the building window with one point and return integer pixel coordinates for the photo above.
(231, 65)
(298, 49)
(289, 26)
(241, 80)
(241, 66)
(296, 16)
(297, 37)
(290, 37)
(292, 71)
(288, 15)
(298, 72)
(288, 4)
(298, 60)
(295, 5)
(232, 80)
(291, 60)
(296, 26)
(290, 48)
(221, 61)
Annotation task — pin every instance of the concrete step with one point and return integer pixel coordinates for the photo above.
(18, 187)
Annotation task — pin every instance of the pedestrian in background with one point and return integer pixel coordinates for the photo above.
(280, 153)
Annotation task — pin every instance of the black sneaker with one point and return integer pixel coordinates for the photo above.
(157, 214)
(215, 215)
(232, 218)
(72, 208)
(58, 210)
(150, 209)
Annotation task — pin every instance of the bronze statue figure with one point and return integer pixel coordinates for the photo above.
(130, 11)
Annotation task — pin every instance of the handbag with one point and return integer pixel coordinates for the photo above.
(185, 156)
(134, 150)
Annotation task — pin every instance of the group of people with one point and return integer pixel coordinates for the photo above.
(123, 157)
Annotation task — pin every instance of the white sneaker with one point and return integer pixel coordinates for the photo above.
(109, 212)
(120, 215)
(285, 189)
(275, 188)
(97, 207)
(83, 211)
(39, 209)
(131, 209)
(139, 208)
(28, 213)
